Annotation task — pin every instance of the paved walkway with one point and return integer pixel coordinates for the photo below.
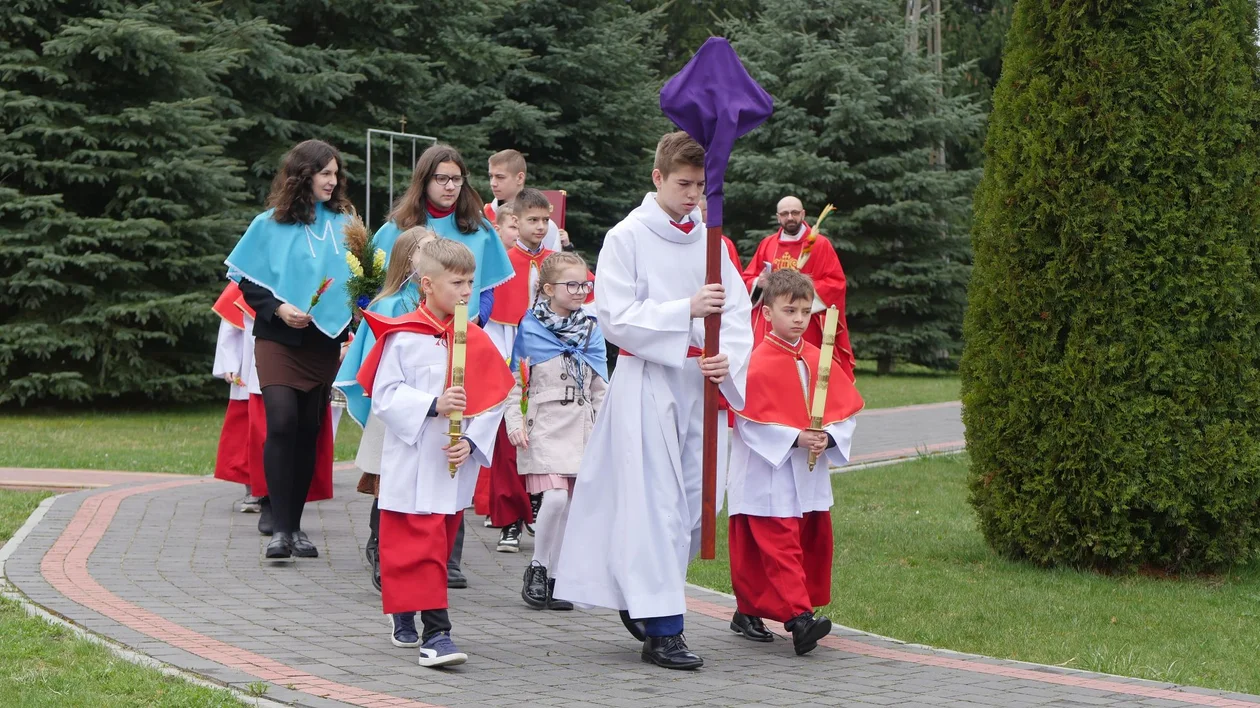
(167, 568)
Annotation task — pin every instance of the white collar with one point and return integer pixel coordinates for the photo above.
(652, 216)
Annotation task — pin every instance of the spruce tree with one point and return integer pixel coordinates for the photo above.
(974, 32)
(1111, 380)
(857, 116)
(583, 108)
(116, 200)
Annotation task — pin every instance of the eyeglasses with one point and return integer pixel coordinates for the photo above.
(577, 287)
(457, 180)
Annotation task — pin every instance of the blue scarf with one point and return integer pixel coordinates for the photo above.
(292, 260)
(357, 404)
(493, 266)
(539, 343)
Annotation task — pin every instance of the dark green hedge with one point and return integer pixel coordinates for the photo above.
(1110, 381)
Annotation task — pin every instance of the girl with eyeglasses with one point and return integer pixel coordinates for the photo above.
(562, 361)
(441, 199)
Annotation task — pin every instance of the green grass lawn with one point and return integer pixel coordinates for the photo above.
(910, 564)
(181, 440)
(908, 385)
(43, 665)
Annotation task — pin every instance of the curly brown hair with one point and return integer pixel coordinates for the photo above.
(292, 194)
(411, 209)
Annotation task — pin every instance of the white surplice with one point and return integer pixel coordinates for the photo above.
(770, 477)
(415, 476)
(234, 354)
(635, 517)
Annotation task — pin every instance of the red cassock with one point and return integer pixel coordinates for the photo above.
(504, 498)
(231, 462)
(781, 566)
(822, 265)
(321, 485)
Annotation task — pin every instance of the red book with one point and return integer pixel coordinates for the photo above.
(559, 199)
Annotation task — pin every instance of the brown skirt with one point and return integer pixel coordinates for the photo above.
(305, 368)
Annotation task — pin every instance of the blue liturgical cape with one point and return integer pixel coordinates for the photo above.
(493, 266)
(357, 404)
(292, 260)
(536, 343)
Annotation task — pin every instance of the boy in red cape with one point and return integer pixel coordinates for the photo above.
(407, 375)
(780, 523)
(510, 506)
(231, 356)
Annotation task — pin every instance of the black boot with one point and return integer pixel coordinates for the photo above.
(265, 526)
(670, 653)
(373, 550)
(751, 627)
(534, 590)
(806, 630)
(454, 576)
(552, 602)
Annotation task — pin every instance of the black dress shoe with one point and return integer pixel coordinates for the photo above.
(670, 653)
(264, 517)
(807, 630)
(751, 627)
(552, 602)
(302, 546)
(637, 628)
(534, 589)
(280, 546)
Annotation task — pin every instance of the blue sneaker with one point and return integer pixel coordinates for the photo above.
(402, 629)
(439, 650)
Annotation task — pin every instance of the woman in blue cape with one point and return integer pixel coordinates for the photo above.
(286, 261)
(441, 199)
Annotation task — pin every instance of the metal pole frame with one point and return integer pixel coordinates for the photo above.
(367, 179)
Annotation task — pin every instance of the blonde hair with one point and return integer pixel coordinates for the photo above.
(513, 160)
(400, 260)
(442, 255)
(505, 210)
(551, 267)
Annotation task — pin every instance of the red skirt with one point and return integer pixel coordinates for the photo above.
(509, 502)
(414, 549)
(781, 567)
(321, 485)
(231, 463)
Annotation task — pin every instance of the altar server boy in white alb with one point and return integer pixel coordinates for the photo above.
(780, 523)
(635, 518)
(407, 375)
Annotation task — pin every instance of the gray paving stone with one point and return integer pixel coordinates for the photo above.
(182, 554)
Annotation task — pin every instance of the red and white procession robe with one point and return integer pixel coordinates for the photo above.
(780, 520)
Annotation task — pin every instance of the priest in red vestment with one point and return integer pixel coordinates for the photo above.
(797, 246)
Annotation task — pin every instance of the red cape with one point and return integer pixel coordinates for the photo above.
(511, 299)
(229, 305)
(487, 388)
(823, 267)
(774, 392)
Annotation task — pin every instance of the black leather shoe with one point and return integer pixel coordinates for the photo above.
(302, 546)
(534, 590)
(376, 572)
(264, 517)
(552, 602)
(807, 630)
(280, 546)
(751, 627)
(637, 628)
(670, 653)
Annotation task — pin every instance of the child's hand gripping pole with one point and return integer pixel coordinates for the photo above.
(818, 404)
(459, 345)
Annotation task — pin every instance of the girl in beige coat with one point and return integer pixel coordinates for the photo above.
(562, 365)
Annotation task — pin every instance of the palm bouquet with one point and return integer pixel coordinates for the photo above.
(367, 266)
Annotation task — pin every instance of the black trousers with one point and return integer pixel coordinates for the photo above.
(294, 419)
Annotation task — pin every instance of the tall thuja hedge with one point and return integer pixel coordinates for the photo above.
(1111, 378)
(116, 200)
